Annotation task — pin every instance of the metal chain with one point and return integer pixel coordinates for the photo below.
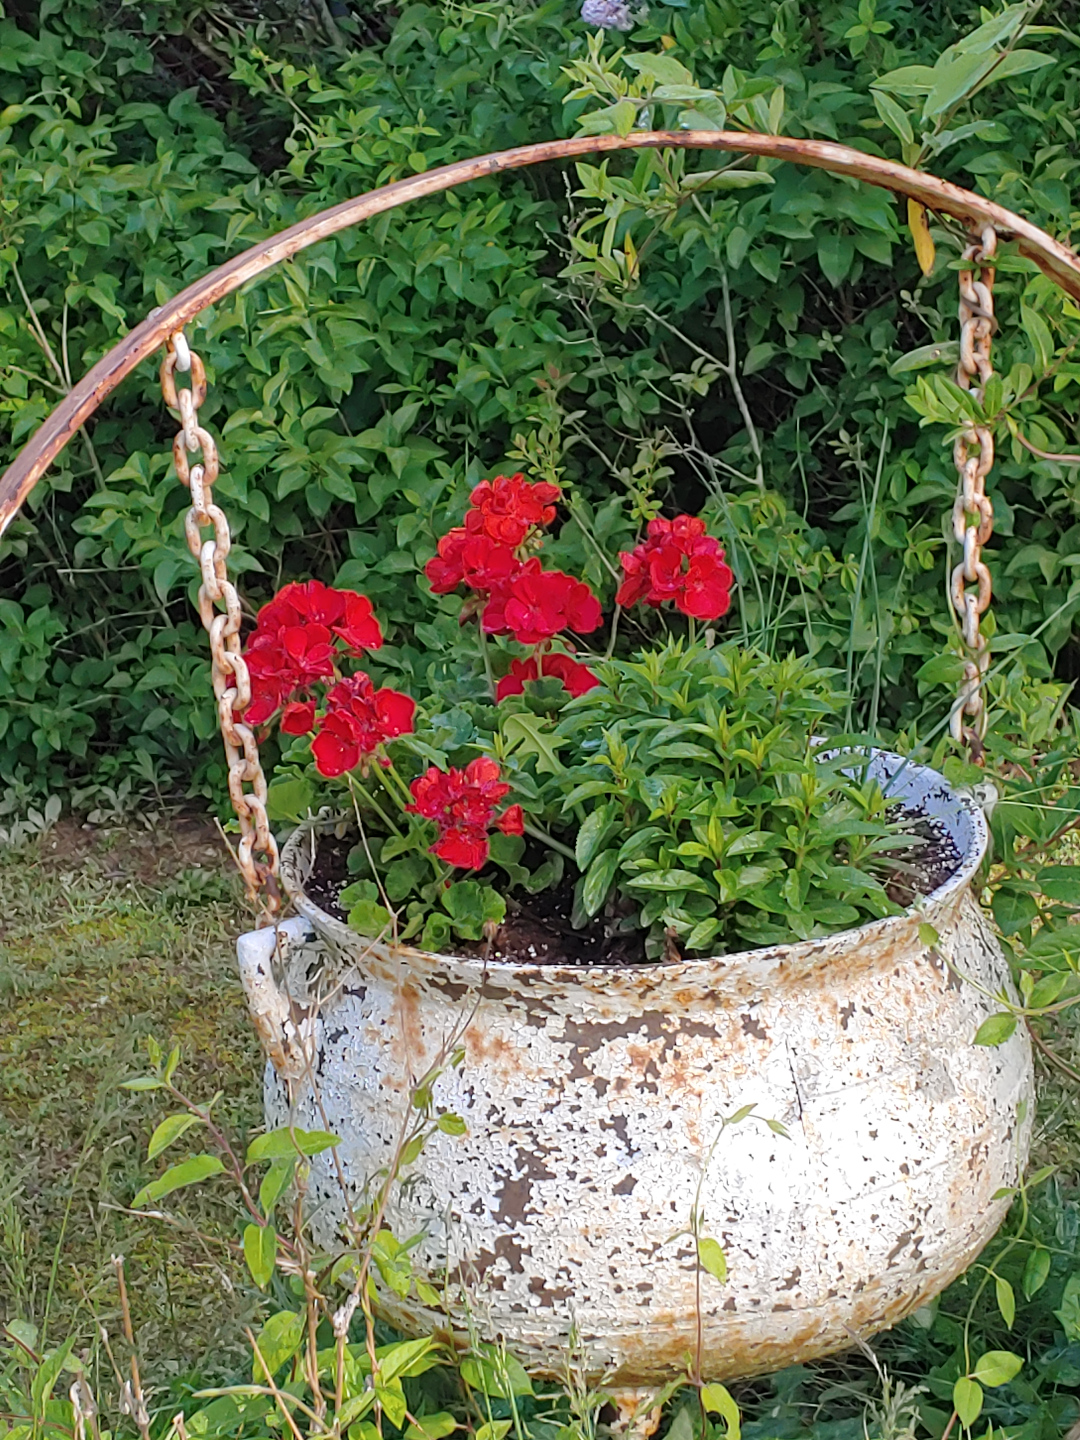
(256, 853)
(973, 512)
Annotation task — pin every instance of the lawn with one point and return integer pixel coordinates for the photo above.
(110, 936)
(107, 937)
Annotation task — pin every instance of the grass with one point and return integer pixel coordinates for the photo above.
(107, 938)
(112, 936)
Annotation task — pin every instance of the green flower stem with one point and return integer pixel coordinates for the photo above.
(402, 794)
(549, 840)
(359, 793)
(486, 656)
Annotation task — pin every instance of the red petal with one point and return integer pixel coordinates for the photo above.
(333, 756)
(360, 630)
(463, 848)
(511, 821)
(299, 717)
(395, 711)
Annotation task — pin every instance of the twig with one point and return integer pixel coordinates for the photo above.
(733, 378)
(274, 1389)
(65, 386)
(1046, 454)
(138, 1410)
(1052, 1055)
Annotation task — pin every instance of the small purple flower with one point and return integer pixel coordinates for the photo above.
(607, 14)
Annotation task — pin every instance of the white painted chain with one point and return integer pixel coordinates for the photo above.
(973, 512)
(257, 853)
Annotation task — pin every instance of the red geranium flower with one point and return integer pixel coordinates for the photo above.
(507, 508)
(538, 604)
(281, 664)
(575, 677)
(462, 804)
(678, 562)
(345, 612)
(472, 560)
(359, 719)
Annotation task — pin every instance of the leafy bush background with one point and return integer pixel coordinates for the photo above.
(361, 389)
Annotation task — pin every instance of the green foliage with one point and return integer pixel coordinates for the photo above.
(700, 798)
(360, 389)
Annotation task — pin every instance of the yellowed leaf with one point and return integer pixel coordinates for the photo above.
(920, 233)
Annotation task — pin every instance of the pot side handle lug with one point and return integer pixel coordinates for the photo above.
(285, 1027)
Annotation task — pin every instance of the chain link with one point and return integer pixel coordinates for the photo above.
(256, 853)
(973, 513)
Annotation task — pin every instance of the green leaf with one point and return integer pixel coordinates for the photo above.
(289, 797)
(451, 1124)
(404, 1358)
(660, 69)
(998, 1367)
(1038, 332)
(370, 919)
(835, 253)
(670, 880)
(967, 1400)
(717, 1400)
(189, 1172)
(598, 880)
(494, 1372)
(1006, 1303)
(143, 1082)
(432, 1427)
(260, 1252)
(943, 353)
(494, 1430)
(1014, 909)
(1036, 1272)
(909, 81)
(955, 80)
(1069, 1310)
(274, 1184)
(928, 936)
(892, 115)
(591, 834)
(712, 1258)
(287, 1143)
(170, 1129)
(533, 735)
(47, 1374)
(1060, 882)
(277, 1341)
(996, 1029)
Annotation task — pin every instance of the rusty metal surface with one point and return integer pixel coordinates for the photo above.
(1052, 257)
(593, 1096)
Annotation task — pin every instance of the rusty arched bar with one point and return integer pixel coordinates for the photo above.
(1053, 258)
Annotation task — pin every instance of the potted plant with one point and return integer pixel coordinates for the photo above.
(604, 904)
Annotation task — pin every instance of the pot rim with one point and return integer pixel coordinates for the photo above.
(800, 954)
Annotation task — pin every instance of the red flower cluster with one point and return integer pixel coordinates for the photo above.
(508, 508)
(462, 804)
(576, 678)
(678, 562)
(358, 720)
(292, 646)
(514, 594)
(538, 603)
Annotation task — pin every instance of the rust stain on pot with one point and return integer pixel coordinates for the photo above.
(591, 1100)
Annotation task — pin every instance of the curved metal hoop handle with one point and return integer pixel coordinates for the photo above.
(1053, 258)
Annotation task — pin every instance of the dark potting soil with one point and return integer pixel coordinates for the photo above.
(537, 929)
